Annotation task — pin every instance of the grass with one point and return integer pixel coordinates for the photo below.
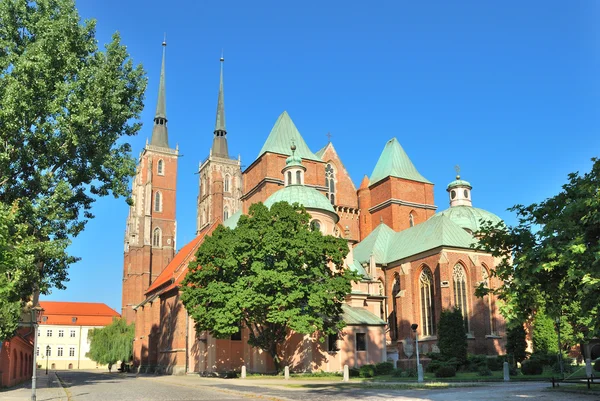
(382, 385)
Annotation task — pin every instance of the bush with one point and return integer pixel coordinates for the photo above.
(354, 372)
(367, 371)
(476, 362)
(384, 368)
(532, 367)
(446, 371)
(513, 371)
(411, 372)
(496, 364)
(484, 371)
(398, 373)
(544, 358)
(433, 366)
(597, 365)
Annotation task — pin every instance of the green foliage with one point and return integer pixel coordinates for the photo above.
(398, 373)
(384, 368)
(516, 345)
(544, 358)
(496, 364)
(273, 274)
(550, 259)
(367, 371)
(476, 362)
(532, 367)
(597, 366)
(65, 108)
(445, 371)
(484, 371)
(452, 339)
(112, 343)
(545, 335)
(354, 372)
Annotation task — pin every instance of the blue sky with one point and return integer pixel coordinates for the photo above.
(507, 90)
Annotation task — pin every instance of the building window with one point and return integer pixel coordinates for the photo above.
(48, 350)
(157, 202)
(330, 182)
(59, 351)
(225, 214)
(37, 351)
(332, 342)
(315, 225)
(71, 351)
(44, 319)
(39, 333)
(361, 342)
(73, 320)
(411, 220)
(289, 178)
(203, 186)
(160, 167)
(61, 333)
(427, 304)
(72, 334)
(48, 333)
(298, 177)
(226, 183)
(394, 316)
(459, 279)
(485, 275)
(156, 237)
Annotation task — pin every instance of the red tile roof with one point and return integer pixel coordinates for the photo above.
(77, 313)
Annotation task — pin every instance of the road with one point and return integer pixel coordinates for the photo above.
(96, 386)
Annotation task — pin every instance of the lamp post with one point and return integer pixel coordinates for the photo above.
(414, 328)
(559, 356)
(47, 355)
(36, 318)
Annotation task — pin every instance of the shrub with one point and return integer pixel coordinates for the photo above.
(354, 372)
(433, 366)
(398, 373)
(597, 365)
(411, 372)
(516, 344)
(452, 339)
(484, 371)
(513, 371)
(532, 367)
(446, 371)
(476, 362)
(367, 371)
(496, 364)
(384, 368)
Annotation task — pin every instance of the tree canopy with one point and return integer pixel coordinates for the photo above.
(112, 343)
(65, 108)
(271, 274)
(550, 260)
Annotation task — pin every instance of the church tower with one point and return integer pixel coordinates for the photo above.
(220, 186)
(150, 234)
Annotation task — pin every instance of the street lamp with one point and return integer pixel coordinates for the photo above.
(414, 328)
(36, 318)
(47, 355)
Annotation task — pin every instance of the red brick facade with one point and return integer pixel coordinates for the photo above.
(16, 358)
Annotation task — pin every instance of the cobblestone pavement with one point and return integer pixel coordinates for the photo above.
(104, 386)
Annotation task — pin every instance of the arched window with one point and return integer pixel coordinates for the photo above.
(160, 167)
(394, 316)
(485, 275)
(289, 178)
(203, 185)
(315, 225)
(411, 220)
(225, 213)
(158, 202)
(298, 177)
(330, 182)
(156, 237)
(427, 304)
(226, 183)
(459, 279)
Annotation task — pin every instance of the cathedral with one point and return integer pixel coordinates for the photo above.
(415, 261)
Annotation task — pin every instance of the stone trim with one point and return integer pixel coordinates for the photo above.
(395, 201)
(160, 149)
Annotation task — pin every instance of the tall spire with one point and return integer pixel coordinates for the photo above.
(219, 147)
(160, 134)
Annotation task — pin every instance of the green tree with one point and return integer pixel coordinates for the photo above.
(271, 274)
(452, 338)
(545, 335)
(65, 108)
(516, 344)
(549, 260)
(112, 343)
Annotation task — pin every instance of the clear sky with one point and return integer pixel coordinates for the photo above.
(507, 90)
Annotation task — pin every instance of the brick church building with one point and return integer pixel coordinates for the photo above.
(414, 260)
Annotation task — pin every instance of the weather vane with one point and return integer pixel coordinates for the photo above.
(457, 169)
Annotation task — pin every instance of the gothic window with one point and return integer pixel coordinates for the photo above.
(158, 202)
(226, 183)
(459, 279)
(427, 304)
(225, 214)
(156, 237)
(411, 219)
(330, 182)
(289, 178)
(160, 167)
(394, 316)
(486, 282)
(298, 177)
(203, 185)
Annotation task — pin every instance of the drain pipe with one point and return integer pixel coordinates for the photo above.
(187, 343)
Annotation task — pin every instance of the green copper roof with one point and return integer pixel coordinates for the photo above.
(394, 162)
(283, 134)
(293, 160)
(320, 152)
(308, 197)
(353, 316)
(375, 244)
(459, 183)
(232, 221)
(469, 217)
(357, 267)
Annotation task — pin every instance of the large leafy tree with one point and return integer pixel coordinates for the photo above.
(112, 343)
(550, 260)
(271, 274)
(65, 107)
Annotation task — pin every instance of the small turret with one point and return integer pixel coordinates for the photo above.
(293, 172)
(459, 191)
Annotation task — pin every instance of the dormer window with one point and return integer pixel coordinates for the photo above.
(411, 220)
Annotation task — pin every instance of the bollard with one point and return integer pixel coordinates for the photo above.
(588, 367)
(506, 372)
(420, 373)
(287, 372)
(346, 373)
(243, 375)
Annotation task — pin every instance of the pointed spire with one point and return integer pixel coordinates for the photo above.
(160, 135)
(219, 147)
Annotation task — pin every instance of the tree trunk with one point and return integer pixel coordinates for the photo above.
(276, 361)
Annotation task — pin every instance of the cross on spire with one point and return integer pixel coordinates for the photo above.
(329, 137)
